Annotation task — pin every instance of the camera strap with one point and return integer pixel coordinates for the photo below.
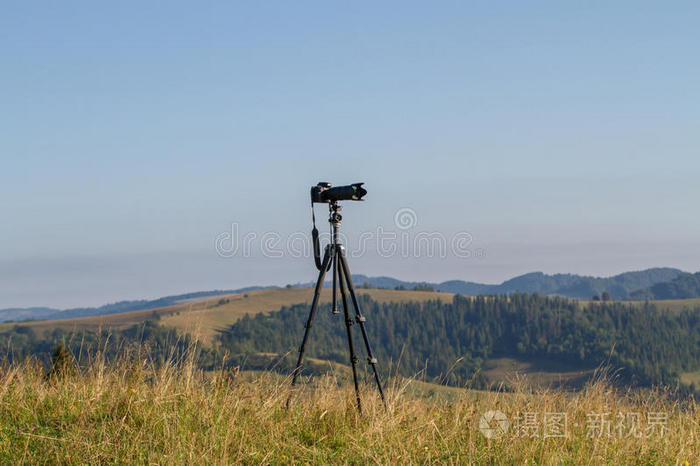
(314, 239)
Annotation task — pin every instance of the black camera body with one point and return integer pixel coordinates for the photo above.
(323, 193)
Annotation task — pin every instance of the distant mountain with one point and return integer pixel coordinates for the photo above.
(573, 286)
(16, 313)
(684, 286)
(621, 286)
(47, 313)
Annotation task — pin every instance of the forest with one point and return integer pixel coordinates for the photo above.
(450, 341)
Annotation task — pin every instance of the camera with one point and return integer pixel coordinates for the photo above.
(324, 193)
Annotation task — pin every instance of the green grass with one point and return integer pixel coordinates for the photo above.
(136, 413)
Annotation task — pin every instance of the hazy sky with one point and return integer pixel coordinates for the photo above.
(561, 137)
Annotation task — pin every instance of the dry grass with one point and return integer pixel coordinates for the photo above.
(135, 413)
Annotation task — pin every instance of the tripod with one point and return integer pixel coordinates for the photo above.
(334, 257)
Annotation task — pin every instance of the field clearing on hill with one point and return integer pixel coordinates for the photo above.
(691, 377)
(206, 322)
(673, 305)
(540, 372)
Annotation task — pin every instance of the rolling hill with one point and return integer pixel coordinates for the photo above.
(684, 286)
(49, 313)
(569, 285)
(620, 286)
(205, 318)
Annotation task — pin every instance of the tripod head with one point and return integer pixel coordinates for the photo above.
(334, 218)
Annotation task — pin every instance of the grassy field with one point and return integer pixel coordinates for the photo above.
(676, 305)
(176, 415)
(141, 414)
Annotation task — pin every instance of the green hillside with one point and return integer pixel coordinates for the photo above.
(482, 341)
(453, 340)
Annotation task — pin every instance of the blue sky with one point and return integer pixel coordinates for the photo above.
(563, 137)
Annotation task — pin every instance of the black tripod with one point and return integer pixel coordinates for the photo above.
(334, 256)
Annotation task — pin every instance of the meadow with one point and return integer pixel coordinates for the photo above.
(138, 412)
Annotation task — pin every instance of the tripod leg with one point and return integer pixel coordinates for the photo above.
(348, 324)
(361, 320)
(334, 301)
(314, 305)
